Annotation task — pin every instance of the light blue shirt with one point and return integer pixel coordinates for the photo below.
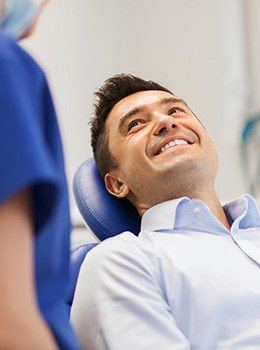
(186, 282)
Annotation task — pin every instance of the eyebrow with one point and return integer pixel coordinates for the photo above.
(166, 100)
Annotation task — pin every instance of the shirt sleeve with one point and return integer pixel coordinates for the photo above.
(119, 305)
(25, 158)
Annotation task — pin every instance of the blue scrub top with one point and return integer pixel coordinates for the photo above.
(31, 157)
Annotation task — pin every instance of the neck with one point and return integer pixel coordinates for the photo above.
(211, 199)
(208, 196)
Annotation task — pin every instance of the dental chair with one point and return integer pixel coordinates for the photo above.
(104, 214)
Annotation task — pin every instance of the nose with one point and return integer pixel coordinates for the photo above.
(163, 124)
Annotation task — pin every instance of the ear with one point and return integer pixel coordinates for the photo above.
(115, 185)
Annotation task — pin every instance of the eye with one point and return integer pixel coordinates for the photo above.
(133, 123)
(175, 109)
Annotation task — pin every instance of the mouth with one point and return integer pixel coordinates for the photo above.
(173, 145)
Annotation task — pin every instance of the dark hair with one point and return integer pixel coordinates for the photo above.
(109, 94)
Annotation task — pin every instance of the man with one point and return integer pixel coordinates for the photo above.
(34, 208)
(191, 279)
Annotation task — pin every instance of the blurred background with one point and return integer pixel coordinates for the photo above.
(205, 51)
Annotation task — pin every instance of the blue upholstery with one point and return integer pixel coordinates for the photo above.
(105, 215)
(76, 259)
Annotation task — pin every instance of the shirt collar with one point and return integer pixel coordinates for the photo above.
(243, 211)
(162, 216)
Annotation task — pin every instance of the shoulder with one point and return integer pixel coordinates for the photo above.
(23, 87)
(121, 245)
(12, 54)
(122, 251)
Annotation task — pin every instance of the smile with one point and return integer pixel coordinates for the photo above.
(171, 144)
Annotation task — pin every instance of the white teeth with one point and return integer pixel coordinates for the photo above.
(178, 142)
(182, 142)
(172, 144)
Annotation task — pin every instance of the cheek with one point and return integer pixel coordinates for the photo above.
(211, 152)
(214, 155)
(134, 157)
(136, 145)
(206, 143)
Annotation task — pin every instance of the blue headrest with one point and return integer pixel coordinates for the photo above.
(105, 215)
(76, 259)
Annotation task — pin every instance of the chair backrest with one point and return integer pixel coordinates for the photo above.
(76, 259)
(104, 214)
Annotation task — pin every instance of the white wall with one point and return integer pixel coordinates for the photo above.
(253, 54)
(195, 47)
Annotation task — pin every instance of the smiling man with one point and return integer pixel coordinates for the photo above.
(191, 279)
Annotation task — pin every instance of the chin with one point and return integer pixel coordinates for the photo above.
(183, 168)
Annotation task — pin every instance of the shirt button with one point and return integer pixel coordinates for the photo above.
(196, 210)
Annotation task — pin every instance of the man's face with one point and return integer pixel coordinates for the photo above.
(152, 166)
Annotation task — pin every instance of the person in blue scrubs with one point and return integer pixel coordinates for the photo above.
(34, 206)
